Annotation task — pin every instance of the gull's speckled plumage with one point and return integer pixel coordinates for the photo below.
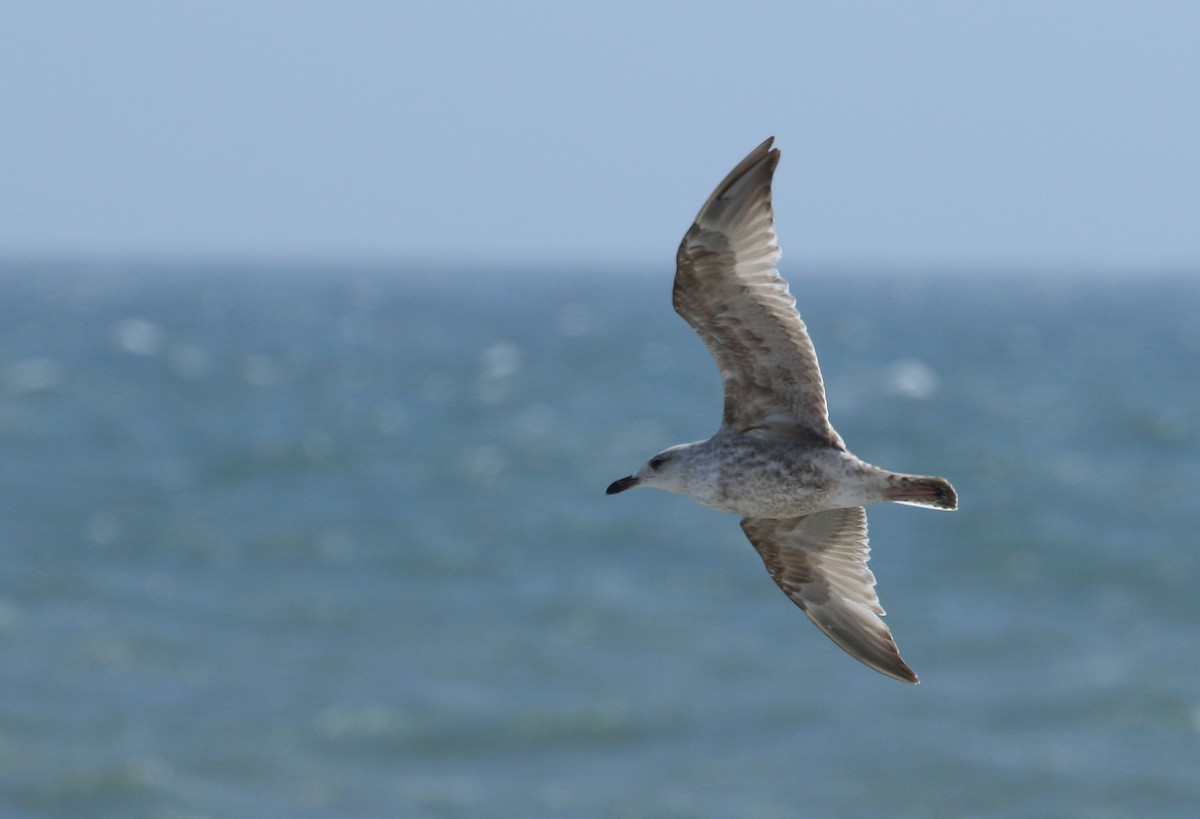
(776, 460)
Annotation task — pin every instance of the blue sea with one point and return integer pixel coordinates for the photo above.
(318, 541)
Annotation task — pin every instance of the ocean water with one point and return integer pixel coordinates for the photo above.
(333, 542)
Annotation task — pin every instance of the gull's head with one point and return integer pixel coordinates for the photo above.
(663, 471)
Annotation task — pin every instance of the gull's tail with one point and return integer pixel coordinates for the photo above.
(921, 490)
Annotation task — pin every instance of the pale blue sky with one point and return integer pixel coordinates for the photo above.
(1018, 133)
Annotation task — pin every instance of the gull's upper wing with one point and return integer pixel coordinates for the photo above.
(820, 562)
(728, 290)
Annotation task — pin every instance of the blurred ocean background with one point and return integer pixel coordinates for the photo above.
(333, 542)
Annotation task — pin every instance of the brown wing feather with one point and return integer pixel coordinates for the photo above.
(820, 562)
(728, 290)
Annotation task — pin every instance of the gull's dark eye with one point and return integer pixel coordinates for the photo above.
(657, 461)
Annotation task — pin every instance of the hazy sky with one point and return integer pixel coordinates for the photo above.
(1017, 133)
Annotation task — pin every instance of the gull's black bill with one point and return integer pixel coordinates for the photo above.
(621, 485)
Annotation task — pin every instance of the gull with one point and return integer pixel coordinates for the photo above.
(776, 460)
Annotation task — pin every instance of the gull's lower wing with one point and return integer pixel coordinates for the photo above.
(820, 562)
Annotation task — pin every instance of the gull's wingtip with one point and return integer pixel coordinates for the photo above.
(764, 156)
(764, 148)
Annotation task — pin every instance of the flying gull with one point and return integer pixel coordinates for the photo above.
(776, 460)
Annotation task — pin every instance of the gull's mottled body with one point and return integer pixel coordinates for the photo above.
(776, 460)
(748, 475)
